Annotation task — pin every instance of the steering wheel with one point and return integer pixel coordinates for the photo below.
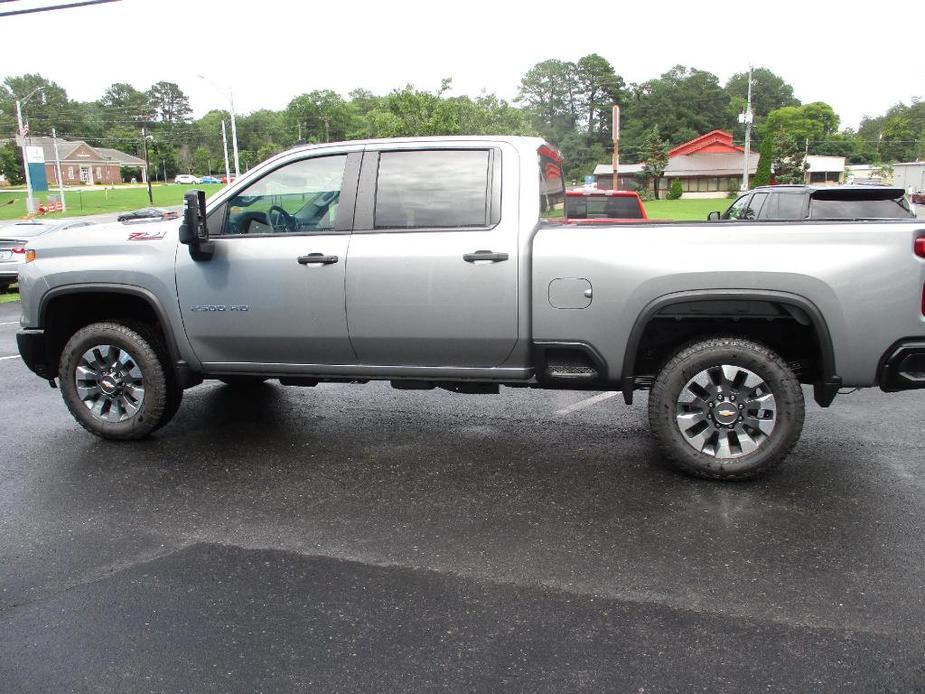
(288, 221)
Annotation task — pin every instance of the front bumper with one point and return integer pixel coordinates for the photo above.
(31, 344)
(903, 366)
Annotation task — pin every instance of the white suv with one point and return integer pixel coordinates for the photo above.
(186, 179)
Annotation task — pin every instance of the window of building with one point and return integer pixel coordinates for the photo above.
(432, 189)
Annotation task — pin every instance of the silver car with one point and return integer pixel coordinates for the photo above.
(13, 240)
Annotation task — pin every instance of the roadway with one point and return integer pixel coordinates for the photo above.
(356, 538)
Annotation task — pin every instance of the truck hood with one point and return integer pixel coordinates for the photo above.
(111, 238)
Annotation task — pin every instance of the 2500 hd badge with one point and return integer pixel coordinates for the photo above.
(219, 307)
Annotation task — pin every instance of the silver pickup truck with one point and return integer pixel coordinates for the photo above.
(438, 262)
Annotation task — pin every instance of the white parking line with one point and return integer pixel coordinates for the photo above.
(587, 402)
(12, 356)
(12, 322)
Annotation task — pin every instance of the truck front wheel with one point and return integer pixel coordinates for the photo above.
(726, 409)
(115, 382)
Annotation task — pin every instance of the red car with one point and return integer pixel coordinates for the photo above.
(918, 198)
(590, 206)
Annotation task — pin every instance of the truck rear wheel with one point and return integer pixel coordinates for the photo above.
(726, 409)
(115, 381)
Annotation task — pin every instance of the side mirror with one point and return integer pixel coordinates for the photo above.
(193, 231)
(713, 216)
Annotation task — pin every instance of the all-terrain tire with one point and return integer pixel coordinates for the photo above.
(142, 352)
(781, 414)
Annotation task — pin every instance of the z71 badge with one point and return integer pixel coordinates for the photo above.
(219, 308)
(146, 235)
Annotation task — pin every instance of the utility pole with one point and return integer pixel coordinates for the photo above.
(616, 146)
(54, 137)
(30, 203)
(225, 150)
(747, 118)
(144, 143)
(234, 137)
(234, 127)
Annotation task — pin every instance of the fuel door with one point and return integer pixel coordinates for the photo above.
(570, 292)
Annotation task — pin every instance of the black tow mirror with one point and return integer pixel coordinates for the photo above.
(194, 232)
(713, 216)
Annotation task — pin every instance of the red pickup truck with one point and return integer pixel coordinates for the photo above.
(590, 206)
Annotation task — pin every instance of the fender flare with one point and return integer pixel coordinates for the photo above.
(824, 390)
(109, 288)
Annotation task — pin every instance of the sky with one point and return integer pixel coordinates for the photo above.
(860, 61)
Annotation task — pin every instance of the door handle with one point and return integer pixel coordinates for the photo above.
(317, 259)
(485, 255)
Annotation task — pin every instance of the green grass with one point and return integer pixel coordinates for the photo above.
(685, 210)
(9, 297)
(119, 199)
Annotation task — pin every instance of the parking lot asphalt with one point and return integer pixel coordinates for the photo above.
(356, 538)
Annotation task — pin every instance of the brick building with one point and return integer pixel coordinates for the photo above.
(82, 164)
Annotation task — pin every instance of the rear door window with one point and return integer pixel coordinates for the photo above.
(433, 189)
(783, 206)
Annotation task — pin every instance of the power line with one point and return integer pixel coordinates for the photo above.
(49, 8)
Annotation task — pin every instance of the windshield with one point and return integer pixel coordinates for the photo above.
(602, 207)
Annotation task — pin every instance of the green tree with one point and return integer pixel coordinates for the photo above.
(320, 116)
(202, 161)
(47, 109)
(789, 161)
(815, 121)
(11, 163)
(684, 102)
(168, 103)
(762, 175)
(549, 92)
(769, 92)
(654, 155)
(121, 102)
(598, 88)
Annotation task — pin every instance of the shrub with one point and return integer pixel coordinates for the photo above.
(675, 192)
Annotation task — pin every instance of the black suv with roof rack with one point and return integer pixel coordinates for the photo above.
(822, 202)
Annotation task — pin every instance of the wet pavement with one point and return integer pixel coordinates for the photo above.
(357, 538)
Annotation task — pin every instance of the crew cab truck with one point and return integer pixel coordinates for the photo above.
(427, 262)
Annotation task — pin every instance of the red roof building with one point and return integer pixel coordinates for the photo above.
(709, 166)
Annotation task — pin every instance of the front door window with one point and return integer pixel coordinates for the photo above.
(297, 198)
